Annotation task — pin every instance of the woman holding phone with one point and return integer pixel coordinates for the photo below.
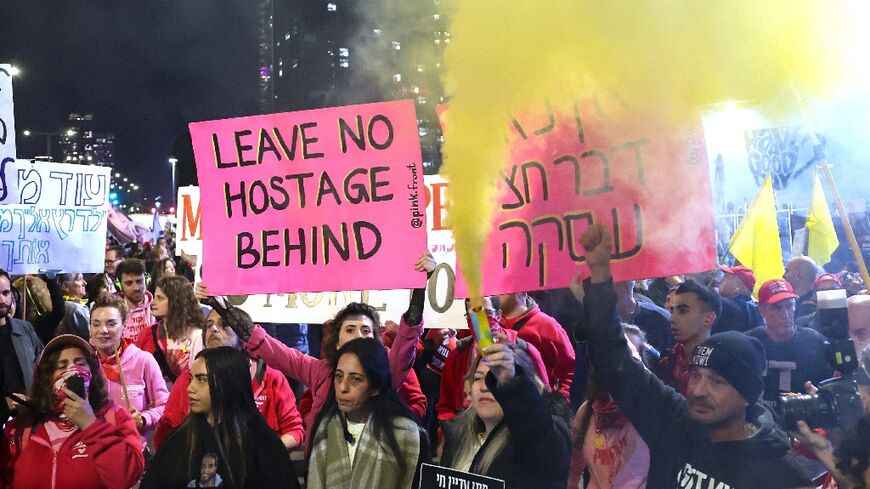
(72, 435)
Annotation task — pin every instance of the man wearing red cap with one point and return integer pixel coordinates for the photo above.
(794, 354)
(739, 311)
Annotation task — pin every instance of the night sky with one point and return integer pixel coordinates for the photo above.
(144, 69)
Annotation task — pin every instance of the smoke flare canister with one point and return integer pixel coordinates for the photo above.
(482, 331)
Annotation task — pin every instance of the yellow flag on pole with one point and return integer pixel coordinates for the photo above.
(821, 237)
(756, 242)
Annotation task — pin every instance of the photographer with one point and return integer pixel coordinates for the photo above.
(848, 466)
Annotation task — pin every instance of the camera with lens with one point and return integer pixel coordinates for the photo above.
(837, 404)
(834, 325)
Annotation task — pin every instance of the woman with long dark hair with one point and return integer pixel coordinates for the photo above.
(365, 436)
(177, 337)
(356, 320)
(515, 429)
(71, 435)
(163, 268)
(224, 436)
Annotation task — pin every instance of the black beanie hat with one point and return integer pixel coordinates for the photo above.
(736, 357)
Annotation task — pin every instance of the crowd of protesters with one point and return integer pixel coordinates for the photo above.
(138, 377)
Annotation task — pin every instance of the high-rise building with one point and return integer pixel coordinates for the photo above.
(81, 144)
(316, 53)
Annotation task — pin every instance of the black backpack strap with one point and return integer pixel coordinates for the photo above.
(160, 355)
(260, 373)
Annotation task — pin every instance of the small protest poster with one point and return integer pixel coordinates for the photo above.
(442, 309)
(436, 477)
(188, 216)
(7, 116)
(53, 216)
(571, 167)
(312, 201)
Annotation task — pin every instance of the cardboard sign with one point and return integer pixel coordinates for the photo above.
(53, 215)
(302, 200)
(188, 218)
(442, 310)
(7, 117)
(567, 170)
(436, 477)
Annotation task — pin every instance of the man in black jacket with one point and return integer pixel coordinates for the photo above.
(717, 437)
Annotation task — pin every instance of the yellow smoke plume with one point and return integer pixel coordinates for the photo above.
(667, 59)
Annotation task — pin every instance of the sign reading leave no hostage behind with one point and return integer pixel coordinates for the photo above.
(312, 201)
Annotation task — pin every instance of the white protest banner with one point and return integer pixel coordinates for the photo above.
(442, 309)
(7, 117)
(53, 216)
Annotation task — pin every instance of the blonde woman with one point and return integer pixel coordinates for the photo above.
(514, 429)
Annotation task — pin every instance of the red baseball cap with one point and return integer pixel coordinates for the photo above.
(828, 277)
(774, 291)
(744, 274)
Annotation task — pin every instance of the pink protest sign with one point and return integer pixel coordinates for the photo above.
(316, 200)
(648, 185)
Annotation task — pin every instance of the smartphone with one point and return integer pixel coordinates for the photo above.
(77, 385)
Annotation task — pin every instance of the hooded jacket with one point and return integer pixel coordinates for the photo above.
(681, 453)
(108, 454)
(138, 318)
(146, 389)
(552, 341)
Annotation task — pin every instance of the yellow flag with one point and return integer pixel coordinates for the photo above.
(756, 242)
(821, 238)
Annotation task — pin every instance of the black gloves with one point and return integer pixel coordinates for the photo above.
(414, 315)
(232, 316)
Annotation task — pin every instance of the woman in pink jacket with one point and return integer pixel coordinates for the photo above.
(138, 384)
(356, 320)
(72, 435)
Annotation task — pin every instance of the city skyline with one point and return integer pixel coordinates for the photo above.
(144, 71)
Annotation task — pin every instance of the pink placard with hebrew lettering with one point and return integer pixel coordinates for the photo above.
(647, 182)
(316, 200)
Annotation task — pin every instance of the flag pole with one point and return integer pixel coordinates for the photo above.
(823, 166)
(844, 218)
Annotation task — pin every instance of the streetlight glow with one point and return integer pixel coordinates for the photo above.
(14, 70)
(26, 132)
(70, 132)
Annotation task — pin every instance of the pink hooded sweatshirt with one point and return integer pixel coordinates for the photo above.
(146, 388)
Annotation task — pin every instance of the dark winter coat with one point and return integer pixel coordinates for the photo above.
(681, 453)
